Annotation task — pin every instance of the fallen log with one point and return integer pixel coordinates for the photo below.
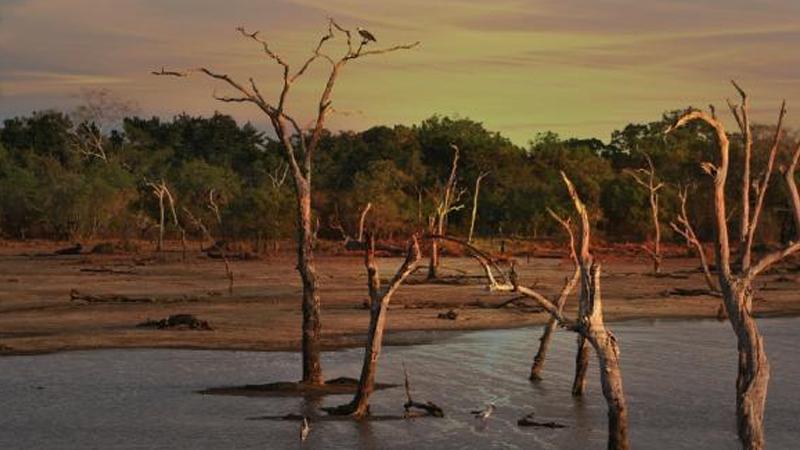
(74, 250)
(75, 295)
(449, 315)
(529, 421)
(697, 292)
(107, 270)
(426, 409)
(177, 321)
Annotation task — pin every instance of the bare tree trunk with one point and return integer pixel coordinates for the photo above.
(433, 262)
(379, 299)
(439, 220)
(361, 221)
(160, 245)
(581, 366)
(657, 257)
(475, 204)
(312, 368)
(754, 368)
(605, 345)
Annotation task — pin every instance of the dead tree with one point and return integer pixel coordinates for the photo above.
(475, 204)
(589, 324)
(447, 203)
(683, 226)
(99, 111)
(569, 286)
(736, 280)
(379, 301)
(159, 193)
(212, 205)
(361, 220)
(299, 146)
(647, 177)
(162, 192)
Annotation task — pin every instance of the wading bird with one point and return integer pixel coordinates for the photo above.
(305, 428)
(484, 414)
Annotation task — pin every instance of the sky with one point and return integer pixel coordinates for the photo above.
(581, 68)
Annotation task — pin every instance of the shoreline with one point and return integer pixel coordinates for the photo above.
(402, 338)
(38, 314)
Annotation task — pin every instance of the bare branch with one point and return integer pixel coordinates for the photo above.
(791, 184)
(761, 190)
(720, 174)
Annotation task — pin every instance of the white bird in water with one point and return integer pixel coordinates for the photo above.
(366, 35)
(305, 428)
(484, 414)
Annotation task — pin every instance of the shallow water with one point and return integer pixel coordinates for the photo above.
(679, 380)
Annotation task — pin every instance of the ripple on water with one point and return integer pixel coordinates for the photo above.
(679, 379)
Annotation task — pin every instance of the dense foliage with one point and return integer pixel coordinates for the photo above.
(49, 188)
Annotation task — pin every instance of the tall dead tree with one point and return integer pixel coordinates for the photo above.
(736, 280)
(379, 308)
(299, 146)
(589, 324)
(161, 192)
(646, 177)
(447, 203)
(475, 204)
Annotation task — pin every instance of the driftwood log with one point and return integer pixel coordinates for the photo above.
(424, 409)
(75, 295)
(529, 421)
(177, 321)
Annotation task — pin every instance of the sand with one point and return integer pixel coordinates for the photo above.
(263, 313)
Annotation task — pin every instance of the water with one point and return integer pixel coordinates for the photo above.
(679, 380)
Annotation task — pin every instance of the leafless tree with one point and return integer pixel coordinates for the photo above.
(299, 146)
(214, 207)
(161, 192)
(475, 204)
(379, 307)
(445, 204)
(99, 111)
(646, 177)
(683, 226)
(589, 324)
(736, 280)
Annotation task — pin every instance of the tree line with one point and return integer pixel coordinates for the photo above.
(231, 179)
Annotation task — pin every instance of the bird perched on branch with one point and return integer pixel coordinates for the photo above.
(484, 413)
(305, 428)
(366, 36)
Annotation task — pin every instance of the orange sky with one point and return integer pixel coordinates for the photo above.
(578, 67)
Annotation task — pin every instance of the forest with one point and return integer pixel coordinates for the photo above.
(73, 176)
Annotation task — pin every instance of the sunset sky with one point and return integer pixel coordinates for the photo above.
(578, 67)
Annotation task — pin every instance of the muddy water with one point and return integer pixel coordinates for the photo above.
(679, 379)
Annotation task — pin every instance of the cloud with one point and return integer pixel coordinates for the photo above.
(577, 65)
